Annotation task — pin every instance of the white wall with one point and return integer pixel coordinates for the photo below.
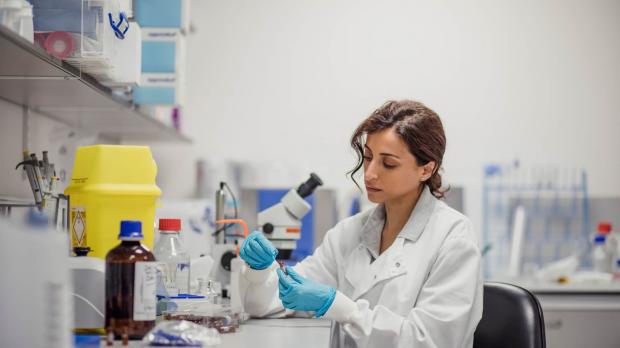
(41, 134)
(288, 81)
(282, 84)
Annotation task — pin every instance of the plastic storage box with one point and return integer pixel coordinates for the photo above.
(81, 32)
(162, 50)
(163, 57)
(162, 13)
(111, 183)
(17, 16)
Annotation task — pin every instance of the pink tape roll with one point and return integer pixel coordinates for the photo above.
(59, 44)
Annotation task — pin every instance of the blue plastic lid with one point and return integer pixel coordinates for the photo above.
(599, 239)
(131, 230)
(87, 341)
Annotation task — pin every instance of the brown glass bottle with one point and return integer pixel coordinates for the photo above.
(130, 285)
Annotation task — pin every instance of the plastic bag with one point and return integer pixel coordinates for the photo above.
(181, 334)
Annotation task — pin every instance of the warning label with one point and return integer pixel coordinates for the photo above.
(78, 227)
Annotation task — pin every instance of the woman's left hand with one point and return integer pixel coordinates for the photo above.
(302, 294)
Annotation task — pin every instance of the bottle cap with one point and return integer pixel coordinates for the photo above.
(599, 239)
(604, 227)
(131, 230)
(170, 225)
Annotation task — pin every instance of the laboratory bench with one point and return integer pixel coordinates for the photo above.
(272, 333)
(575, 316)
(280, 333)
(579, 315)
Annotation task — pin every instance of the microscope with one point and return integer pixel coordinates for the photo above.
(281, 223)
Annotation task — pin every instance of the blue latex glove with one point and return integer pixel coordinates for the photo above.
(302, 294)
(257, 251)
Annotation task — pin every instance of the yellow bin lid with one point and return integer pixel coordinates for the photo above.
(114, 169)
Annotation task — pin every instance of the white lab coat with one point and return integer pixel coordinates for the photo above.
(425, 290)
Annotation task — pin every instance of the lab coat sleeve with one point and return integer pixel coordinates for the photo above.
(259, 288)
(446, 312)
(321, 266)
(259, 292)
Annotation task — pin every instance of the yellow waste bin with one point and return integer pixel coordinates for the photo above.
(111, 183)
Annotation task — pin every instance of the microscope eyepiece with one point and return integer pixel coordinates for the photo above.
(304, 190)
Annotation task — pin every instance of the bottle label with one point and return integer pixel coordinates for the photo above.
(165, 287)
(145, 285)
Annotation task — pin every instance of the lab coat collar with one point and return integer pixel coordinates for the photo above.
(371, 231)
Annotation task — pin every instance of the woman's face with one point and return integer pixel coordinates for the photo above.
(391, 172)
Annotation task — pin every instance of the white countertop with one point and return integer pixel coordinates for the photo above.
(276, 333)
(271, 333)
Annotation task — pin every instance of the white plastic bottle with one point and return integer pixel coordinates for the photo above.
(612, 242)
(600, 258)
(173, 258)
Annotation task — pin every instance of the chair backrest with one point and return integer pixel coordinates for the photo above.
(511, 318)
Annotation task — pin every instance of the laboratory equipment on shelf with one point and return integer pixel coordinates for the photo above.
(131, 276)
(86, 33)
(42, 177)
(110, 183)
(173, 259)
(281, 223)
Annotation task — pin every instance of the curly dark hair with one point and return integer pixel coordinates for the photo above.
(417, 125)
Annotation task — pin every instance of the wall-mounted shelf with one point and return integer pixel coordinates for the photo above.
(53, 88)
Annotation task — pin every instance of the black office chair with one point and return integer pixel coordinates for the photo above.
(511, 318)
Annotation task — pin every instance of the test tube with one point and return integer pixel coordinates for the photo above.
(282, 266)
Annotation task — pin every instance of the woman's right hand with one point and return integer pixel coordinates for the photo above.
(257, 251)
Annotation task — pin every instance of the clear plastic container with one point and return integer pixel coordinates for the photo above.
(17, 16)
(221, 317)
(80, 32)
(210, 289)
(173, 258)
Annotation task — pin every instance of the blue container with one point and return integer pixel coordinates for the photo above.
(159, 56)
(158, 13)
(154, 95)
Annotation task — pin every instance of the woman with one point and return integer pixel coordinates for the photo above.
(403, 274)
